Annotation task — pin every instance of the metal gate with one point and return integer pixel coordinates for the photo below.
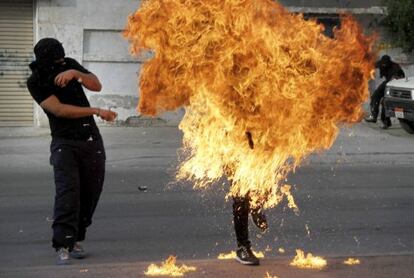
(16, 46)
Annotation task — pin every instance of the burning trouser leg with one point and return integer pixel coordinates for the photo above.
(79, 169)
(241, 211)
(241, 208)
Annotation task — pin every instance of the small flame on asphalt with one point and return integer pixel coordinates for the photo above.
(169, 268)
(270, 276)
(352, 261)
(308, 262)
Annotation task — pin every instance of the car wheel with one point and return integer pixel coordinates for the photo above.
(407, 125)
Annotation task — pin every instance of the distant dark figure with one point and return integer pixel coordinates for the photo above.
(388, 70)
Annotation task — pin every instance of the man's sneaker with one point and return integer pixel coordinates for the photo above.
(370, 119)
(78, 252)
(259, 219)
(62, 256)
(244, 255)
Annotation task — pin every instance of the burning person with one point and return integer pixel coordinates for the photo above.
(388, 70)
(77, 150)
(253, 66)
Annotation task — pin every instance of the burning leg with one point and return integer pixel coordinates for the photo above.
(241, 208)
(259, 218)
(241, 220)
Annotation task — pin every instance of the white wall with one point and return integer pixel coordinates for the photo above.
(90, 31)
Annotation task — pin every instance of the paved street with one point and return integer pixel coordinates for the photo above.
(356, 200)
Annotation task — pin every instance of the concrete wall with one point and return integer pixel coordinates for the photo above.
(90, 31)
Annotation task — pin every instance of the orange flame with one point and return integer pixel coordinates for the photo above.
(308, 262)
(352, 261)
(168, 268)
(268, 275)
(263, 88)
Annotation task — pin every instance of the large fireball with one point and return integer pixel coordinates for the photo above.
(262, 88)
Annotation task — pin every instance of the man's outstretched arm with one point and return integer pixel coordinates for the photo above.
(61, 110)
(89, 80)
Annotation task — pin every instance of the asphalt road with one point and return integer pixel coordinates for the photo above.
(355, 200)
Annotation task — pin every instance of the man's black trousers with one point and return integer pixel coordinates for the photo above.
(79, 170)
(241, 210)
(376, 99)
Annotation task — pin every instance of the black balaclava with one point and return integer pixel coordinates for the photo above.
(386, 61)
(47, 51)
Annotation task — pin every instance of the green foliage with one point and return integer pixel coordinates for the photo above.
(400, 23)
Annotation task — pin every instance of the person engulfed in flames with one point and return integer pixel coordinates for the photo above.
(249, 69)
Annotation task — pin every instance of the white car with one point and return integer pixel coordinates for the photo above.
(399, 102)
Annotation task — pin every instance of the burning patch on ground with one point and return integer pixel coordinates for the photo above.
(263, 88)
(169, 268)
(308, 262)
(352, 261)
(268, 275)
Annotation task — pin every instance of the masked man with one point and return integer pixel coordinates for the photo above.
(77, 150)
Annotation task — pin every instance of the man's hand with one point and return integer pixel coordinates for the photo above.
(63, 78)
(61, 110)
(107, 115)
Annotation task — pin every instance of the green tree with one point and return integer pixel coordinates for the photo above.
(400, 23)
